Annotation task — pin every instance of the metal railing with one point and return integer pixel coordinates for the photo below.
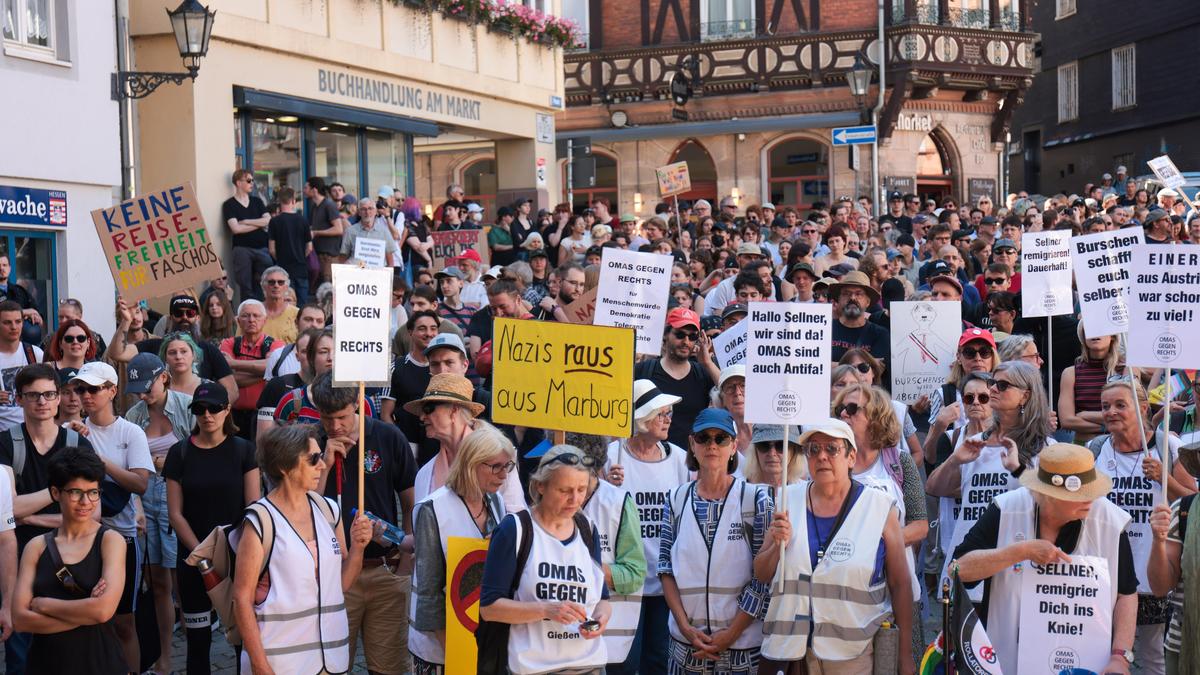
(727, 30)
(927, 13)
(969, 18)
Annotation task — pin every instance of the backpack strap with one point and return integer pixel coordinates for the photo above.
(237, 346)
(17, 432)
(266, 530)
(30, 357)
(1097, 444)
(524, 546)
(325, 507)
(72, 438)
(891, 463)
(584, 527)
(949, 394)
(264, 347)
(287, 351)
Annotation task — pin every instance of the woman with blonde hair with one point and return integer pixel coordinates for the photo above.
(1101, 361)
(764, 466)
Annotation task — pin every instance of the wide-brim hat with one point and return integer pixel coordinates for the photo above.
(1068, 472)
(447, 388)
(647, 398)
(855, 279)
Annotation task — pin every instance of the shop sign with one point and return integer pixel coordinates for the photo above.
(408, 98)
(981, 187)
(914, 122)
(31, 206)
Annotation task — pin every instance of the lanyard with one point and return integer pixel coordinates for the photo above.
(823, 542)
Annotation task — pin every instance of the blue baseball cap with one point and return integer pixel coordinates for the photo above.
(714, 418)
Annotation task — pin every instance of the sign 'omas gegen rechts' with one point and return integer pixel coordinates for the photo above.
(362, 316)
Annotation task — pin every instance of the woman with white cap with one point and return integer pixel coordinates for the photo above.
(846, 541)
(712, 528)
(764, 465)
(730, 395)
(1055, 561)
(649, 467)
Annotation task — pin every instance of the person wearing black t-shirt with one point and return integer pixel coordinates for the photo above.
(411, 374)
(852, 298)
(291, 242)
(247, 217)
(326, 225)
(678, 374)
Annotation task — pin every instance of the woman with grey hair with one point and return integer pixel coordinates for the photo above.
(560, 580)
(1020, 347)
(1021, 410)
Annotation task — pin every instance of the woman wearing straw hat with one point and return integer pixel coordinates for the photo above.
(448, 411)
(1055, 560)
(848, 540)
(1174, 555)
(649, 467)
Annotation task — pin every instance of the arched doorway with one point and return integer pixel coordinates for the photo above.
(935, 170)
(479, 184)
(798, 173)
(701, 168)
(605, 187)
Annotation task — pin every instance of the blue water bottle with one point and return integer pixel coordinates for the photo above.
(391, 532)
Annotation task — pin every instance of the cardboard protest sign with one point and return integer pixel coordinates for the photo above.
(788, 359)
(1164, 307)
(372, 252)
(363, 314)
(563, 376)
(1101, 266)
(633, 293)
(924, 342)
(157, 243)
(729, 347)
(583, 309)
(673, 179)
(464, 577)
(1046, 273)
(1066, 616)
(1167, 172)
(451, 244)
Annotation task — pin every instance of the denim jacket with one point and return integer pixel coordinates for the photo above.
(176, 410)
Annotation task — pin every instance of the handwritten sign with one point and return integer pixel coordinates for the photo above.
(451, 244)
(157, 243)
(924, 339)
(372, 252)
(1164, 319)
(1101, 266)
(563, 376)
(1046, 274)
(362, 309)
(788, 362)
(583, 309)
(673, 179)
(634, 289)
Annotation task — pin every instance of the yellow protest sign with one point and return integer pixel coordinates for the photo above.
(464, 576)
(560, 376)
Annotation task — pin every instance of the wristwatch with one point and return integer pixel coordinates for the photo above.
(1126, 654)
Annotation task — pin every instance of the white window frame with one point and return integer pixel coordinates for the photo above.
(1064, 8)
(19, 40)
(544, 6)
(727, 35)
(1068, 92)
(1124, 77)
(584, 26)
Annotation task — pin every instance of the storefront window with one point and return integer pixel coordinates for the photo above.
(479, 185)
(31, 257)
(387, 161)
(276, 153)
(798, 173)
(335, 156)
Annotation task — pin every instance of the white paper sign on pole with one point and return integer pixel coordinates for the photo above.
(1167, 172)
(730, 346)
(633, 292)
(371, 251)
(1102, 276)
(1066, 616)
(362, 315)
(1164, 307)
(788, 361)
(1046, 273)
(924, 342)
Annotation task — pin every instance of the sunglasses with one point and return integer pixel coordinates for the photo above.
(571, 459)
(983, 399)
(808, 231)
(184, 313)
(200, 409)
(69, 339)
(771, 446)
(277, 282)
(314, 458)
(501, 467)
(685, 335)
(719, 438)
(846, 410)
(831, 450)
(995, 281)
(1004, 385)
(863, 368)
(981, 352)
(33, 396)
(90, 389)
(428, 408)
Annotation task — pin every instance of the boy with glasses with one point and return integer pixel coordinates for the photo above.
(247, 218)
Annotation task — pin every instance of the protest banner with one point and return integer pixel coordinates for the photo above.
(788, 359)
(157, 243)
(1167, 172)
(372, 252)
(464, 579)
(564, 377)
(450, 244)
(1163, 302)
(1046, 273)
(362, 308)
(924, 342)
(1066, 616)
(673, 179)
(729, 347)
(583, 309)
(1101, 267)
(633, 293)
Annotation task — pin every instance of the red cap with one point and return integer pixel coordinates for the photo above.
(470, 254)
(977, 334)
(682, 316)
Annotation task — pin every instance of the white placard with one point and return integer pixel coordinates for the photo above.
(1164, 307)
(362, 315)
(1167, 172)
(1046, 273)
(1066, 615)
(633, 292)
(729, 347)
(1102, 276)
(788, 359)
(371, 251)
(924, 342)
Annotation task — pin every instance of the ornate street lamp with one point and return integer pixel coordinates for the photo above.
(192, 24)
(859, 81)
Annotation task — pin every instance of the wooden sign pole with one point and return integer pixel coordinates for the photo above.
(362, 433)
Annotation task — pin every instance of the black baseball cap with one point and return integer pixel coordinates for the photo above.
(180, 302)
(210, 393)
(895, 197)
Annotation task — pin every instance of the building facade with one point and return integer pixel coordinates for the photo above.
(61, 158)
(1109, 91)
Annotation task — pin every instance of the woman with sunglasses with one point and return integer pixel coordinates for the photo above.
(72, 345)
(468, 505)
(976, 354)
(70, 579)
(711, 529)
(870, 372)
(764, 466)
(1101, 361)
(1002, 310)
(211, 478)
(1021, 411)
(182, 357)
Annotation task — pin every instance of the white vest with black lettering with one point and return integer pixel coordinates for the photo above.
(1138, 496)
(606, 509)
(453, 520)
(1099, 536)
(837, 597)
(987, 469)
(711, 579)
(877, 477)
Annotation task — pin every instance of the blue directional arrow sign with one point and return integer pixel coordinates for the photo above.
(854, 135)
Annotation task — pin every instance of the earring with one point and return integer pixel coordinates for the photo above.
(1021, 411)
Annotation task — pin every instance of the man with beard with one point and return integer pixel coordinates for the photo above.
(679, 374)
(852, 297)
(570, 287)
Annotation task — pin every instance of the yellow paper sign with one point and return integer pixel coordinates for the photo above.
(673, 179)
(464, 576)
(563, 376)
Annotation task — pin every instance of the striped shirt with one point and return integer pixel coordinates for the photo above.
(1090, 378)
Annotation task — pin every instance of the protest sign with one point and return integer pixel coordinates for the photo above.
(565, 377)
(1167, 172)
(156, 244)
(788, 359)
(924, 339)
(1163, 302)
(362, 309)
(729, 347)
(1101, 266)
(1066, 616)
(673, 179)
(450, 244)
(583, 309)
(372, 252)
(633, 293)
(464, 576)
(1046, 273)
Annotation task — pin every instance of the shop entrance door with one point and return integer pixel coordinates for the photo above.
(31, 257)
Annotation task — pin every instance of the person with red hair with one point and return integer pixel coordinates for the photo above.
(73, 345)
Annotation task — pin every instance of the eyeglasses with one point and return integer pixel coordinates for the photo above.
(77, 495)
(847, 410)
(69, 339)
(970, 399)
(973, 352)
(314, 458)
(719, 438)
(90, 389)
(571, 459)
(501, 468)
(428, 408)
(996, 310)
(184, 313)
(863, 368)
(995, 281)
(33, 396)
(200, 409)
(1004, 385)
(685, 335)
(831, 450)
(276, 282)
(806, 231)
(769, 446)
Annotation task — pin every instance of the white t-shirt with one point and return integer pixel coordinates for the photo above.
(10, 364)
(7, 488)
(290, 365)
(123, 443)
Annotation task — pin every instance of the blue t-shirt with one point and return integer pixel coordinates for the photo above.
(818, 527)
(501, 565)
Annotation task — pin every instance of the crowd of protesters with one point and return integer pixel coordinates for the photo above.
(670, 551)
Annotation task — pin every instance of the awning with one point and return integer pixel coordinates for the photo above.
(716, 127)
(303, 107)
